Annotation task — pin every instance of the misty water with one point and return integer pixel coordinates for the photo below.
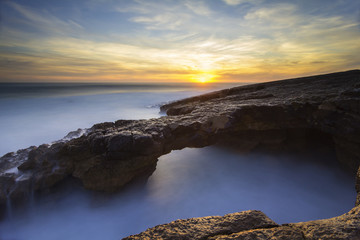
(187, 183)
(37, 113)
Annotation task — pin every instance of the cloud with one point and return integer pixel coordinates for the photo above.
(276, 16)
(177, 39)
(199, 8)
(179, 15)
(155, 15)
(234, 2)
(238, 2)
(166, 21)
(45, 21)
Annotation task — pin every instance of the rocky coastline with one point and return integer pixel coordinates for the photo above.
(286, 115)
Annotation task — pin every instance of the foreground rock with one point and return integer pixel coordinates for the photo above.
(255, 225)
(346, 226)
(205, 227)
(284, 115)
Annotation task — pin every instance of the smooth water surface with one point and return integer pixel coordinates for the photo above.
(193, 183)
(37, 113)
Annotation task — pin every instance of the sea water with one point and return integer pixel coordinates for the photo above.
(187, 183)
(37, 113)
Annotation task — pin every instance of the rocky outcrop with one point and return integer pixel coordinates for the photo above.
(283, 115)
(329, 104)
(280, 232)
(255, 225)
(205, 227)
(346, 226)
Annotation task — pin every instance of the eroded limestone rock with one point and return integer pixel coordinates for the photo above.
(278, 233)
(346, 226)
(254, 225)
(205, 227)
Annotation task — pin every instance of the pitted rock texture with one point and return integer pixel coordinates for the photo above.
(278, 233)
(254, 225)
(346, 226)
(283, 115)
(205, 227)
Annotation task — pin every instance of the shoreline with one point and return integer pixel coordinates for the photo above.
(290, 114)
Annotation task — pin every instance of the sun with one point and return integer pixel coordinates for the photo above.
(204, 77)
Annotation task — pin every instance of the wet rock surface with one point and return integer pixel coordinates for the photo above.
(287, 115)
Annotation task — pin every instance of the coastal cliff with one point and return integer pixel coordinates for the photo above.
(287, 115)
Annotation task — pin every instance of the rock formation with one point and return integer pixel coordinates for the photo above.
(205, 227)
(249, 225)
(282, 115)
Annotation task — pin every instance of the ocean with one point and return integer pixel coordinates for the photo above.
(187, 183)
(37, 113)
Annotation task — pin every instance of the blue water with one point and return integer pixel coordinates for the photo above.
(187, 183)
(37, 113)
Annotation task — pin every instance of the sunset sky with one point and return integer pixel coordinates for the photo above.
(148, 40)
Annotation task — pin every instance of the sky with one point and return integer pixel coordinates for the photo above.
(170, 41)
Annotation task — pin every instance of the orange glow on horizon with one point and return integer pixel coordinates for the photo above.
(205, 77)
(39, 44)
